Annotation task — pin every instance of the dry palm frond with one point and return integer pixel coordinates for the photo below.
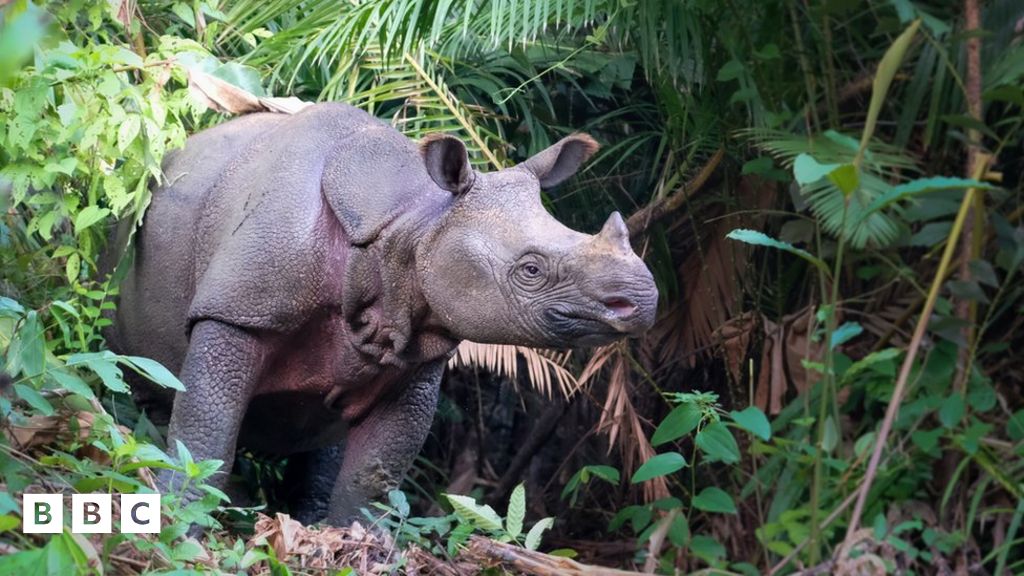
(542, 366)
(711, 278)
(620, 420)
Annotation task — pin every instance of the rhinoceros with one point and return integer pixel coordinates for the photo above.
(308, 276)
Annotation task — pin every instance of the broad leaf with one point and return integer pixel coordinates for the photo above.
(89, 216)
(712, 499)
(717, 443)
(480, 515)
(154, 371)
(534, 535)
(753, 420)
(682, 420)
(761, 239)
(922, 186)
(951, 412)
(516, 512)
(807, 170)
(660, 465)
(845, 333)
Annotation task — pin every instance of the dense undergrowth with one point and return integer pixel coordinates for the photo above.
(829, 194)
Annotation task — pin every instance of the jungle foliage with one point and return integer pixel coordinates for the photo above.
(828, 193)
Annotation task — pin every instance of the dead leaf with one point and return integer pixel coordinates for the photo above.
(735, 336)
(786, 346)
(221, 96)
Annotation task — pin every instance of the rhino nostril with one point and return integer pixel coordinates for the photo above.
(619, 306)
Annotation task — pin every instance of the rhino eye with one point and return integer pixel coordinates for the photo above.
(530, 274)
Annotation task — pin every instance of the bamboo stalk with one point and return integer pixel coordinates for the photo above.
(892, 410)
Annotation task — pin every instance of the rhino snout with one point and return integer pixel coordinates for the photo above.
(632, 311)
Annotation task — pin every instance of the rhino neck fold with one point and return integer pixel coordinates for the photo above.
(386, 312)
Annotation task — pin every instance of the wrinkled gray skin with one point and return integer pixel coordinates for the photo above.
(308, 276)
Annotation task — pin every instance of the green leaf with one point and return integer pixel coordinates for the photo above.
(761, 239)
(71, 381)
(1015, 426)
(245, 77)
(34, 399)
(984, 273)
(534, 535)
(516, 512)
(717, 443)
(104, 367)
(88, 216)
(11, 308)
(183, 11)
(845, 333)
(951, 412)
(886, 355)
(186, 551)
(707, 548)
(8, 522)
(712, 499)
(480, 515)
(732, 70)
(73, 267)
(845, 178)
(753, 420)
(679, 531)
(128, 131)
(659, 465)
(398, 501)
(682, 420)
(887, 69)
(154, 371)
(606, 473)
(831, 437)
(922, 186)
(27, 351)
(807, 170)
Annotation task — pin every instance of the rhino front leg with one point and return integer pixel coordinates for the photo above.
(219, 374)
(380, 448)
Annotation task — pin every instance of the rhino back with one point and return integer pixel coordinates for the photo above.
(154, 295)
(257, 219)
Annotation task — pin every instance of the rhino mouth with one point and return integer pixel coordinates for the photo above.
(611, 319)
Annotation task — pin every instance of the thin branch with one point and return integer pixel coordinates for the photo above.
(641, 220)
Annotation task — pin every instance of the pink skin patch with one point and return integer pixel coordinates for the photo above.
(620, 307)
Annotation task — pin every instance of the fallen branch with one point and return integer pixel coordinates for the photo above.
(487, 553)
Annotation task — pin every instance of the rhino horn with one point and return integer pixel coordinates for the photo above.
(615, 235)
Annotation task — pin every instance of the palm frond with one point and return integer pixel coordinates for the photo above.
(883, 165)
(543, 368)
(418, 101)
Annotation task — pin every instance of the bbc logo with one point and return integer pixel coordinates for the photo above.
(90, 513)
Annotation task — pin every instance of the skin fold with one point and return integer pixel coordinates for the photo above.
(308, 276)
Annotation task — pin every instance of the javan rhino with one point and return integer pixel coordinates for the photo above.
(309, 275)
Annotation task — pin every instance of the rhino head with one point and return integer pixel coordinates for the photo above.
(498, 268)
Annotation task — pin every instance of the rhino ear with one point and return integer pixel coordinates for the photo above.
(558, 162)
(447, 162)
